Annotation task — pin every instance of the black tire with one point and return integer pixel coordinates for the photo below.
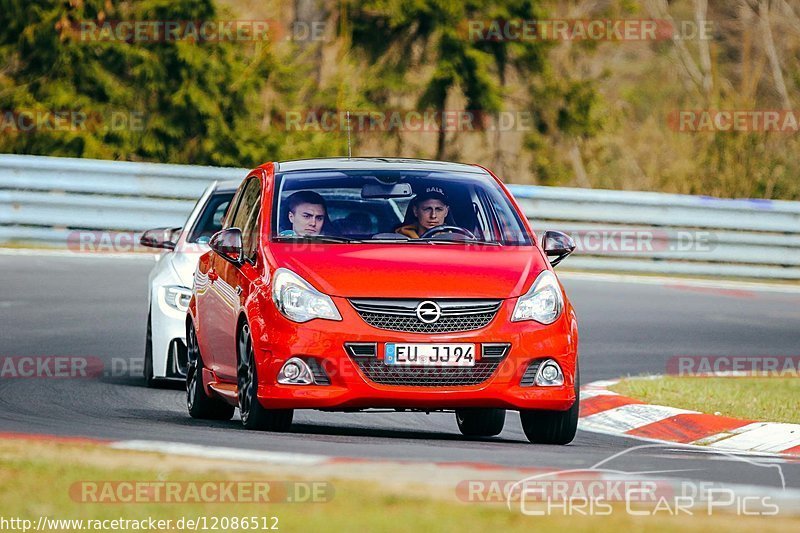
(149, 379)
(553, 427)
(253, 414)
(200, 405)
(480, 422)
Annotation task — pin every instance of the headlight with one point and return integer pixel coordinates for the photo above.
(542, 303)
(299, 301)
(177, 297)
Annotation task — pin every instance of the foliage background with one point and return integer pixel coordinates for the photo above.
(600, 109)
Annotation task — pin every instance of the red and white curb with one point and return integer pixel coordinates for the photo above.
(605, 411)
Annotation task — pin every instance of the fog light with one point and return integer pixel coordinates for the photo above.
(295, 371)
(291, 371)
(549, 374)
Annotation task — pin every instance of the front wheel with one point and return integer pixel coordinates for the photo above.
(200, 404)
(552, 427)
(480, 422)
(254, 415)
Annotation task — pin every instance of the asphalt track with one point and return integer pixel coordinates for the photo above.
(79, 306)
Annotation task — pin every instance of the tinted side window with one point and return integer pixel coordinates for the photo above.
(210, 220)
(249, 201)
(251, 233)
(227, 221)
(246, 217)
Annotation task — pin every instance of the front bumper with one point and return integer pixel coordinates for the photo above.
(168, 339)
(351, 388)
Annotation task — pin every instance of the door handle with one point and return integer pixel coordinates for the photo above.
(238, 290)
(213, 276)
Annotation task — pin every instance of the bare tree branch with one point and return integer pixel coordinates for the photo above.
(790, 16)
(658, 9)
(772, 54)
(700, 12)
(575, 158)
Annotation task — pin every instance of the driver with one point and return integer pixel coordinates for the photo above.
(430, 209)
(307, 213)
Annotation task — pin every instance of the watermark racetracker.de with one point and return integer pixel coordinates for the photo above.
(402, 120)
(590, 241)
(30, 121)
(641, 241)
(734, 365)
(211, 491)
(595, 29)
(197, 31)
(734, 120)
(69, 367)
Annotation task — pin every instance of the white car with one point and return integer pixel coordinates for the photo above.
(170, 282)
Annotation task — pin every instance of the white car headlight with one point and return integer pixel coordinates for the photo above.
(177, 297)
(297, 300)
(542, 303)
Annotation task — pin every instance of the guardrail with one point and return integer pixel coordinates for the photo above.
(43, 200)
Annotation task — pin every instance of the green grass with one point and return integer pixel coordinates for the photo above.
(769, 399)
(35, 479)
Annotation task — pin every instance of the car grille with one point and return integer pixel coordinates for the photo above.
(365, 356)
(320, 376)
(400, 315)
(376, 371)
(529, 377)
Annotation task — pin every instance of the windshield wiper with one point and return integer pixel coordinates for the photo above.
(465, 241)
(313, 238)
(430, 241)
(396, 241)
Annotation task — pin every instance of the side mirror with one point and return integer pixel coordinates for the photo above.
(557, 246)
(160, 238)
(228, 244)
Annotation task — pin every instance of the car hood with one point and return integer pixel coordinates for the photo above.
(413, 270)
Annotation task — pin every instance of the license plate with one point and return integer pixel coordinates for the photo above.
(429, 354)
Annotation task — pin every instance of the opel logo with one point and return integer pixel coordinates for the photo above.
(429, 312)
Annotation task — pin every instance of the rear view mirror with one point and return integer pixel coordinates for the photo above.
(228, 244)
(160, 238)
(557, 246)
(386, 190)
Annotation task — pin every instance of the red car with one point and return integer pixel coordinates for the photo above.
(350, 284)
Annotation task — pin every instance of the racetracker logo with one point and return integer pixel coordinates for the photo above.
(198, 31)
(640, 241)
(619, 30)
(734, 120)
(210, 491)
(414, 121)
(735, 365)
(66, 120)
(50, 366)
(122, 242)
(69, 367)
(87, 241)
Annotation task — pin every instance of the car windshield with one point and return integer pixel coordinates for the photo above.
(210, 219)
(384, 206)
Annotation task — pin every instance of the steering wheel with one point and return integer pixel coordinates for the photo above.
(448, 229)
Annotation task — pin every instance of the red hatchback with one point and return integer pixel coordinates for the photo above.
(350, 284)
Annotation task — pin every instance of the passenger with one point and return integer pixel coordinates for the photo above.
(307, 213)
(430, 209)
(356, 223)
